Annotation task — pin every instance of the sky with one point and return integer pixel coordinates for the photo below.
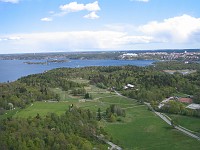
(31, 26)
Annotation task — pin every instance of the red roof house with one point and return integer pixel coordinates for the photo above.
(185, 100)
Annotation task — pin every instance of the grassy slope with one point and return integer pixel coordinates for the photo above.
(43, 108)
(191, 123)
(64, 96)
(147, 131)
(141, 129)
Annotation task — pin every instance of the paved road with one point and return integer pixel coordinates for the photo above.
(163, 118)
(186, 131)
(164, 101)
(119, 94)
(113, 146)
(168, 121)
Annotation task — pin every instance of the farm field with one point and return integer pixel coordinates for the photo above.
(191, 123)
(146, 131)
(42, 108)
(65, 96)
(140, 129)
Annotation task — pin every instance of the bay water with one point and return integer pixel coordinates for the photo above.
(11, 70)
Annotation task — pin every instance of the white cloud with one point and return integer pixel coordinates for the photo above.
(177, 32)
(10, 1)
(178, 29)
(129, 28)
(74, 7)
(46, 19)
(14, 38)
(92, 8)
(8, 38)
(72, 40)
(91, 15)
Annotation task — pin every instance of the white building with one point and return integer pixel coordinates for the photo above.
(128, 86)
(130, 55)
(193, 106)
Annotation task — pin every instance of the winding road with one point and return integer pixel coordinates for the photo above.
(168, 121)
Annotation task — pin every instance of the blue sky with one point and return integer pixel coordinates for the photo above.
(28, 26)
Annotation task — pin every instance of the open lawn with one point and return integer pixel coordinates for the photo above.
(146, 131)
(93, 106)
(80, 80)
(65, 96)
(43, 108)
(140, 129)
(94, 89)
(191, 123)
(118, 100)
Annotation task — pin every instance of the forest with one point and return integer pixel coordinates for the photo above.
(77, 128)
(150, 83)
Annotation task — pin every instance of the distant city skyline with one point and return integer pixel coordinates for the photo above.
(32, 26)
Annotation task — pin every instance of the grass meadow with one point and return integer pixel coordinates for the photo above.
(141, 129)
(145, 131)
(191, 123)
(43, 108)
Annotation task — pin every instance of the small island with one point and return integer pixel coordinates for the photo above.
(35, 63)
(46, 62)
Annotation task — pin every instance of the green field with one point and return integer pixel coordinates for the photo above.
(140, 129)
(64, 96)
(43, 108)
(146, 131)
(191, 123)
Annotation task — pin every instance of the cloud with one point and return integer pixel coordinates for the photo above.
(122, 27)
(179, 29)
(10, 1)
(75, 7)
(46, 19)
(81, 40)
(176, 32)
(9, 38)
(91, 15)
(72, 7)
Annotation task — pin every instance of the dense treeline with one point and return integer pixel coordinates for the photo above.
(179, 108)
(150, 83)
(176, 65)
(50, 79)
(20, 94)
(36, 88)
(76, 129)
(114, 112)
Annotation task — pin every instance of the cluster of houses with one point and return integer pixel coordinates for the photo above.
(188, 101)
